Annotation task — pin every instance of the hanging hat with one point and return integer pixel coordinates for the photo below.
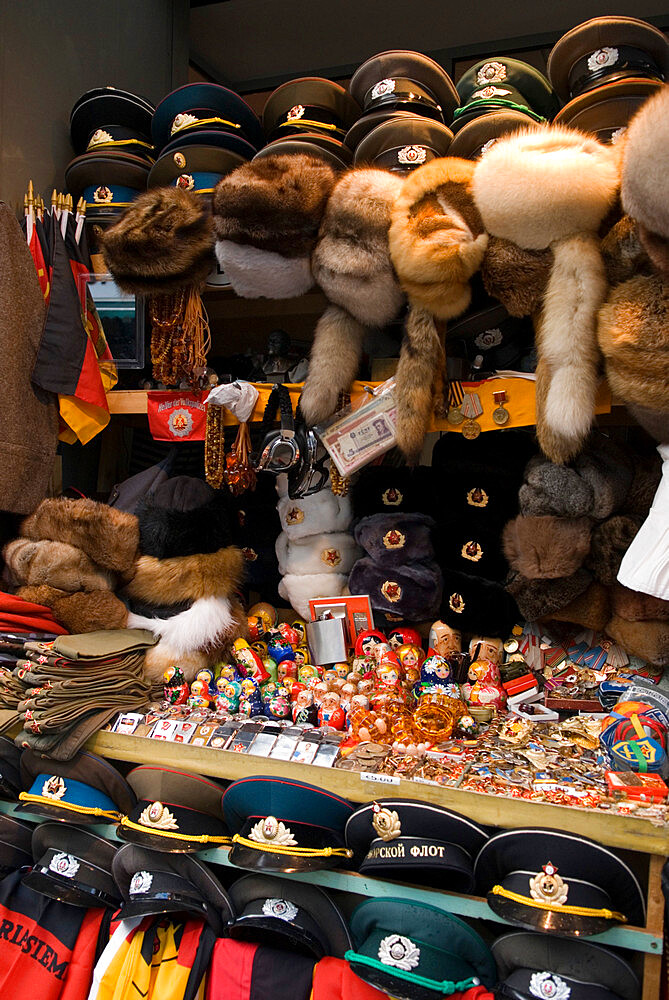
(504, 84)
(154, 882)
(74, 866)
(551, 881)
(644, 189)
(415, 842)
(543, 965)
(196, 168)
(475, 137)
(124, 116)
(176, 811)
(606, 111)
(402, 144)
(404, 81)
(280, 825)
(15, 841)
(309, 105)
(282, 913)
(108, 184)
(86, 789)
(10, 769)
(182, 517)
(414, 951)
(198, 107)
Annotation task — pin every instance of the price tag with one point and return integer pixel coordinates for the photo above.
(425, 781)
(381, 779)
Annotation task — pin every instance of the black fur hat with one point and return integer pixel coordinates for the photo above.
(386, 489)
(464, 545)
(396, 539)
(411, 592)
(477, 606)
(184, 517)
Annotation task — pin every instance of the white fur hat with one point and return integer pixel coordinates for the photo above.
(321, 512)
(299, 590)
(330, 552)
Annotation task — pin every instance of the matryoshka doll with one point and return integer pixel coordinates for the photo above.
(364, 644)
(484, 685)
(228, 697)
(199, 695)
(247, 658)
(279, 648)
(444, 640)
(436, 675)
(402, 635)
(286, 668)
(485, 648)
(331, 713)
(207, 675)
(412, 658)
(304, 710)
(175, 689)
(250, 702)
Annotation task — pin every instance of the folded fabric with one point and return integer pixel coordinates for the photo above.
(396, 539)
(109, 536)
(21, 614)
(298, 590)
(537, 599)
(55, 564)
(645, 565)
(411, 591)
(330, 552)
(321, 512)
(474, 605)
(544, 548)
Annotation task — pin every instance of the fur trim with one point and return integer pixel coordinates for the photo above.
(657, 248)
(540, 599)
(109, 536)
(567, 372)
(622, 252)
(333, 363)
(421, 365)
(645, 481)
(436, 238)
(186, 578)
(591, 609)
(608, 544)
(164, 241)
(205, 625)
(80, 613)
(275, 203)
(536, 186)
(648, 639)
(321, 512)
(56, 564)
(633, 334)
(412, 591)
(517, 277)
(546, 548)
(645, 187)
(636, 607)
(333, 552)
(298, 590)
(255, 273)
(351, 261)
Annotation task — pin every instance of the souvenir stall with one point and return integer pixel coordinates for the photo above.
(346, 678)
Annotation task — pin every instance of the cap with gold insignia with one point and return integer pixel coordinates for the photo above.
(607, 50)
(551, 881)
(606, 111)
(309, 105)
(176, 811)
(153, 882)
(504, 84)
(206, 107)
(283, 913)
(414, 951)
(15, 841)
(548, 967)
(73, 865)
(280, 825)
(112, 120)
(86, 789)
(415, 842)
(401, 144)
(194, 168)
(401, 80)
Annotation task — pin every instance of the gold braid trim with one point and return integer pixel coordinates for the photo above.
(85, 810)
(199, 838)
(300, 852)
(576, 911)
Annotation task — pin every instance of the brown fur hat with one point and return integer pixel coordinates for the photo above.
(608, 544)
(636, 607)
(56, 564)
(591, 609)
(545, 548)
(81, 612)
(186, 578)
(109, 536)
(540, 599)
(645, 186)
(646, 639)
(551, 188)
(517, 277)
(266, 215)
(164, 241)
(622, 252)
(437, 242)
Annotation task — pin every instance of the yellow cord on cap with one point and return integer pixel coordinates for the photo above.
(198, 838)
(300, 852)
(204, 121)
(299, 122)
(576, 911)
(85, 810)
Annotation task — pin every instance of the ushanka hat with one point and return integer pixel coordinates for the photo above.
(389, 489)
(328, 552)
(538, 599)
(283, 913)
(472, 604)
(15, 844)
(416, 842)
(108, 536)
(320, 512)
(74, 866)
(414, 951)
(86, 789)
(411, 592)
(396, 539)
(466, 544)
(551, 881)
(545, 548)
(182, 517)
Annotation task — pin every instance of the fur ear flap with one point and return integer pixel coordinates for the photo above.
(422, 361)
(333, 363)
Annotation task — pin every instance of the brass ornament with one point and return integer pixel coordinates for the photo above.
(271, 831)
(392, 591)
(394, 539)
(54, 787)
(471, 551)
(386, 823)
(548, 887)
(158, 817)
(477, 497)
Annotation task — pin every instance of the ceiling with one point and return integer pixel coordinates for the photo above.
(256, 44)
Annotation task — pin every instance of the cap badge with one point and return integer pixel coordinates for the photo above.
(54, 787)
(548, 986)
(249, 554)
(295, 516)
(477, 497)
(271, 831)
(399, 951)
(617, 135)
(140, 882)
(488, 339)
(391, 591)
(159, 817)
(382, 88)
(179, 160)
(602, 58)
(99, 136)
(295, 113)
(471, 551)
(64, 864)
(412, 154)
(103, 195)
(492, 72)
(281, 908)
(183, 121)
(392, 497)
(548, 887)
(185, 181)
(331, 557)
(386, 822)
(456, 603)
(488, 92)
(394, 539)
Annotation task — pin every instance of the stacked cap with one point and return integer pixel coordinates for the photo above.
(86, 789)
(499, 96)
(310, 115)
(407, 101)
(74, 866)
(15, 841)
(605, 69)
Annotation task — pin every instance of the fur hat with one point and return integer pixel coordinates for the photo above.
(182, 517)
(608, 544)
(299, 589)
(351, 263)
(410, 591)
(331, 552)
(546, 548)
(321, 512)
(165, 582)
(55, 564)
(539, 599)
(437, 242)
(508, 451)
(81, 612)
(109, 536)
(266, 216)
(164, 241)
(477, 606)
(388, 489)
(468, 546)
(645, 481)
(517, 277)
(645, 188)
(483, 495)
(396, 539)
(552, 188)
(591, 609)
(636, 607)
(646, 639)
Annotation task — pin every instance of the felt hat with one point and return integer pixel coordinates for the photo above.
(402, 144)
(472, 604)
(110, 109)
(414, 841)
(552, 881)
(10, 769)
(74, 866)
(280, 825)
(545, 548)
(407, 81)
(198, 107)
(197, 168)
(283, 913)
(108, 183)
(396, 539)
(86, 789)
(184, 516)
(176, 811)
(387, 489)
(414, 951)
(538, 599)
(410, 591)
(475, 137)
(15, 844)
(309, 104)
(606, 111)
(507, 84)
(154, 882)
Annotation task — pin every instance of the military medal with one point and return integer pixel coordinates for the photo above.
(454, 415)
(471, 409)
(500, 415)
